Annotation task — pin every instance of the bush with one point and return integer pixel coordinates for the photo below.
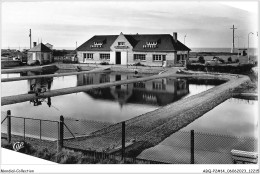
(193, 61)
(221, 60)
(229, 59)
(104, 63)
(237, 60)
(201, 60)
(44, 153)
(5, 144)
(69, 157)
(37, 62)
(138, 64)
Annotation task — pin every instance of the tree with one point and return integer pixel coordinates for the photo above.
(229, 59)
(201, 60)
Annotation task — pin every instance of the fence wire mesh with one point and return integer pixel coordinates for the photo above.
(80, 128)
(105, 140)
(31, 128)
(208, 148)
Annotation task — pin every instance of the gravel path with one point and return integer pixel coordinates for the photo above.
(26, 68)
(151, 128)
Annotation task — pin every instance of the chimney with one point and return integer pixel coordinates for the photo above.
(34, 44)
(175, 36)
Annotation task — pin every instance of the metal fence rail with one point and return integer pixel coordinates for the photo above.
(31, 127)
(180, 148)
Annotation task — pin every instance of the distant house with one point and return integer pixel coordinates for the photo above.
(49, 45)
(128, 49)
(71, 56)
(39, 54)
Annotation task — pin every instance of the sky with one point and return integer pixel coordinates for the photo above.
(63, 23)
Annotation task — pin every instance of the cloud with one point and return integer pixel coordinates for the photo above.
(81, 20)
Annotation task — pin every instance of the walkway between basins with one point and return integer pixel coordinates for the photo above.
(150, 128)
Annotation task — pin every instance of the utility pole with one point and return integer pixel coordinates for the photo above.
(30, 35)
(233, 45)
(237, 45)
(248, 46)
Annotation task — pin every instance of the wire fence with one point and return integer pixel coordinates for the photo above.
(123, 140)
(31, 127)
(208, 148)
(80, 128)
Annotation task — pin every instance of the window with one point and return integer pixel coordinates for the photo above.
(104, 56)
(178, 57)
(121, 43)
(139, 85)
(159, 57)
(98, 43)
(159, 86)
(164, 57)
(89, 55)
(151, 43)
(140, 57)
(84, 55)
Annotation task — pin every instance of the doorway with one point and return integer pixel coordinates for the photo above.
(118, 58)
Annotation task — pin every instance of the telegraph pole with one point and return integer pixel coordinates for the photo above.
(30, 35)
(233, 45)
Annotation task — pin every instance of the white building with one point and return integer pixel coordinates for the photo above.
(148, 49)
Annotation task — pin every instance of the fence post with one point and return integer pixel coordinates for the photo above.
(123, 140)
(61, 132)
(24, 129)
(40, 129)
(192, 146)
(9, 126)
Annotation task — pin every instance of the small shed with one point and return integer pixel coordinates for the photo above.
(40, 54)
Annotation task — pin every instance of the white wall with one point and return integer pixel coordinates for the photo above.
(123, 58)
(112, 57)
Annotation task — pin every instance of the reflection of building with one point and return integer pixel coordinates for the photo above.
(147, 49)
(89, 79)
(159, 91)
(154, 92)
(38, 86)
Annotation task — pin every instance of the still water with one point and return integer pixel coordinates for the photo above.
(113, 104)
(231, 125)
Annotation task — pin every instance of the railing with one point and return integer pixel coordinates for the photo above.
(18, 128)
(186, 147)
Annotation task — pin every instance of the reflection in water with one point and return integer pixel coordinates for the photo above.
(158, 92)
(110, 105)
(38, 86)
(113, 104)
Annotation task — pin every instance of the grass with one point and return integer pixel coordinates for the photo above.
(66, 156)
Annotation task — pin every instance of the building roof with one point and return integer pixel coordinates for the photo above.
(48, 44)
(40, 48)
(165, 42)
(107, 40)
